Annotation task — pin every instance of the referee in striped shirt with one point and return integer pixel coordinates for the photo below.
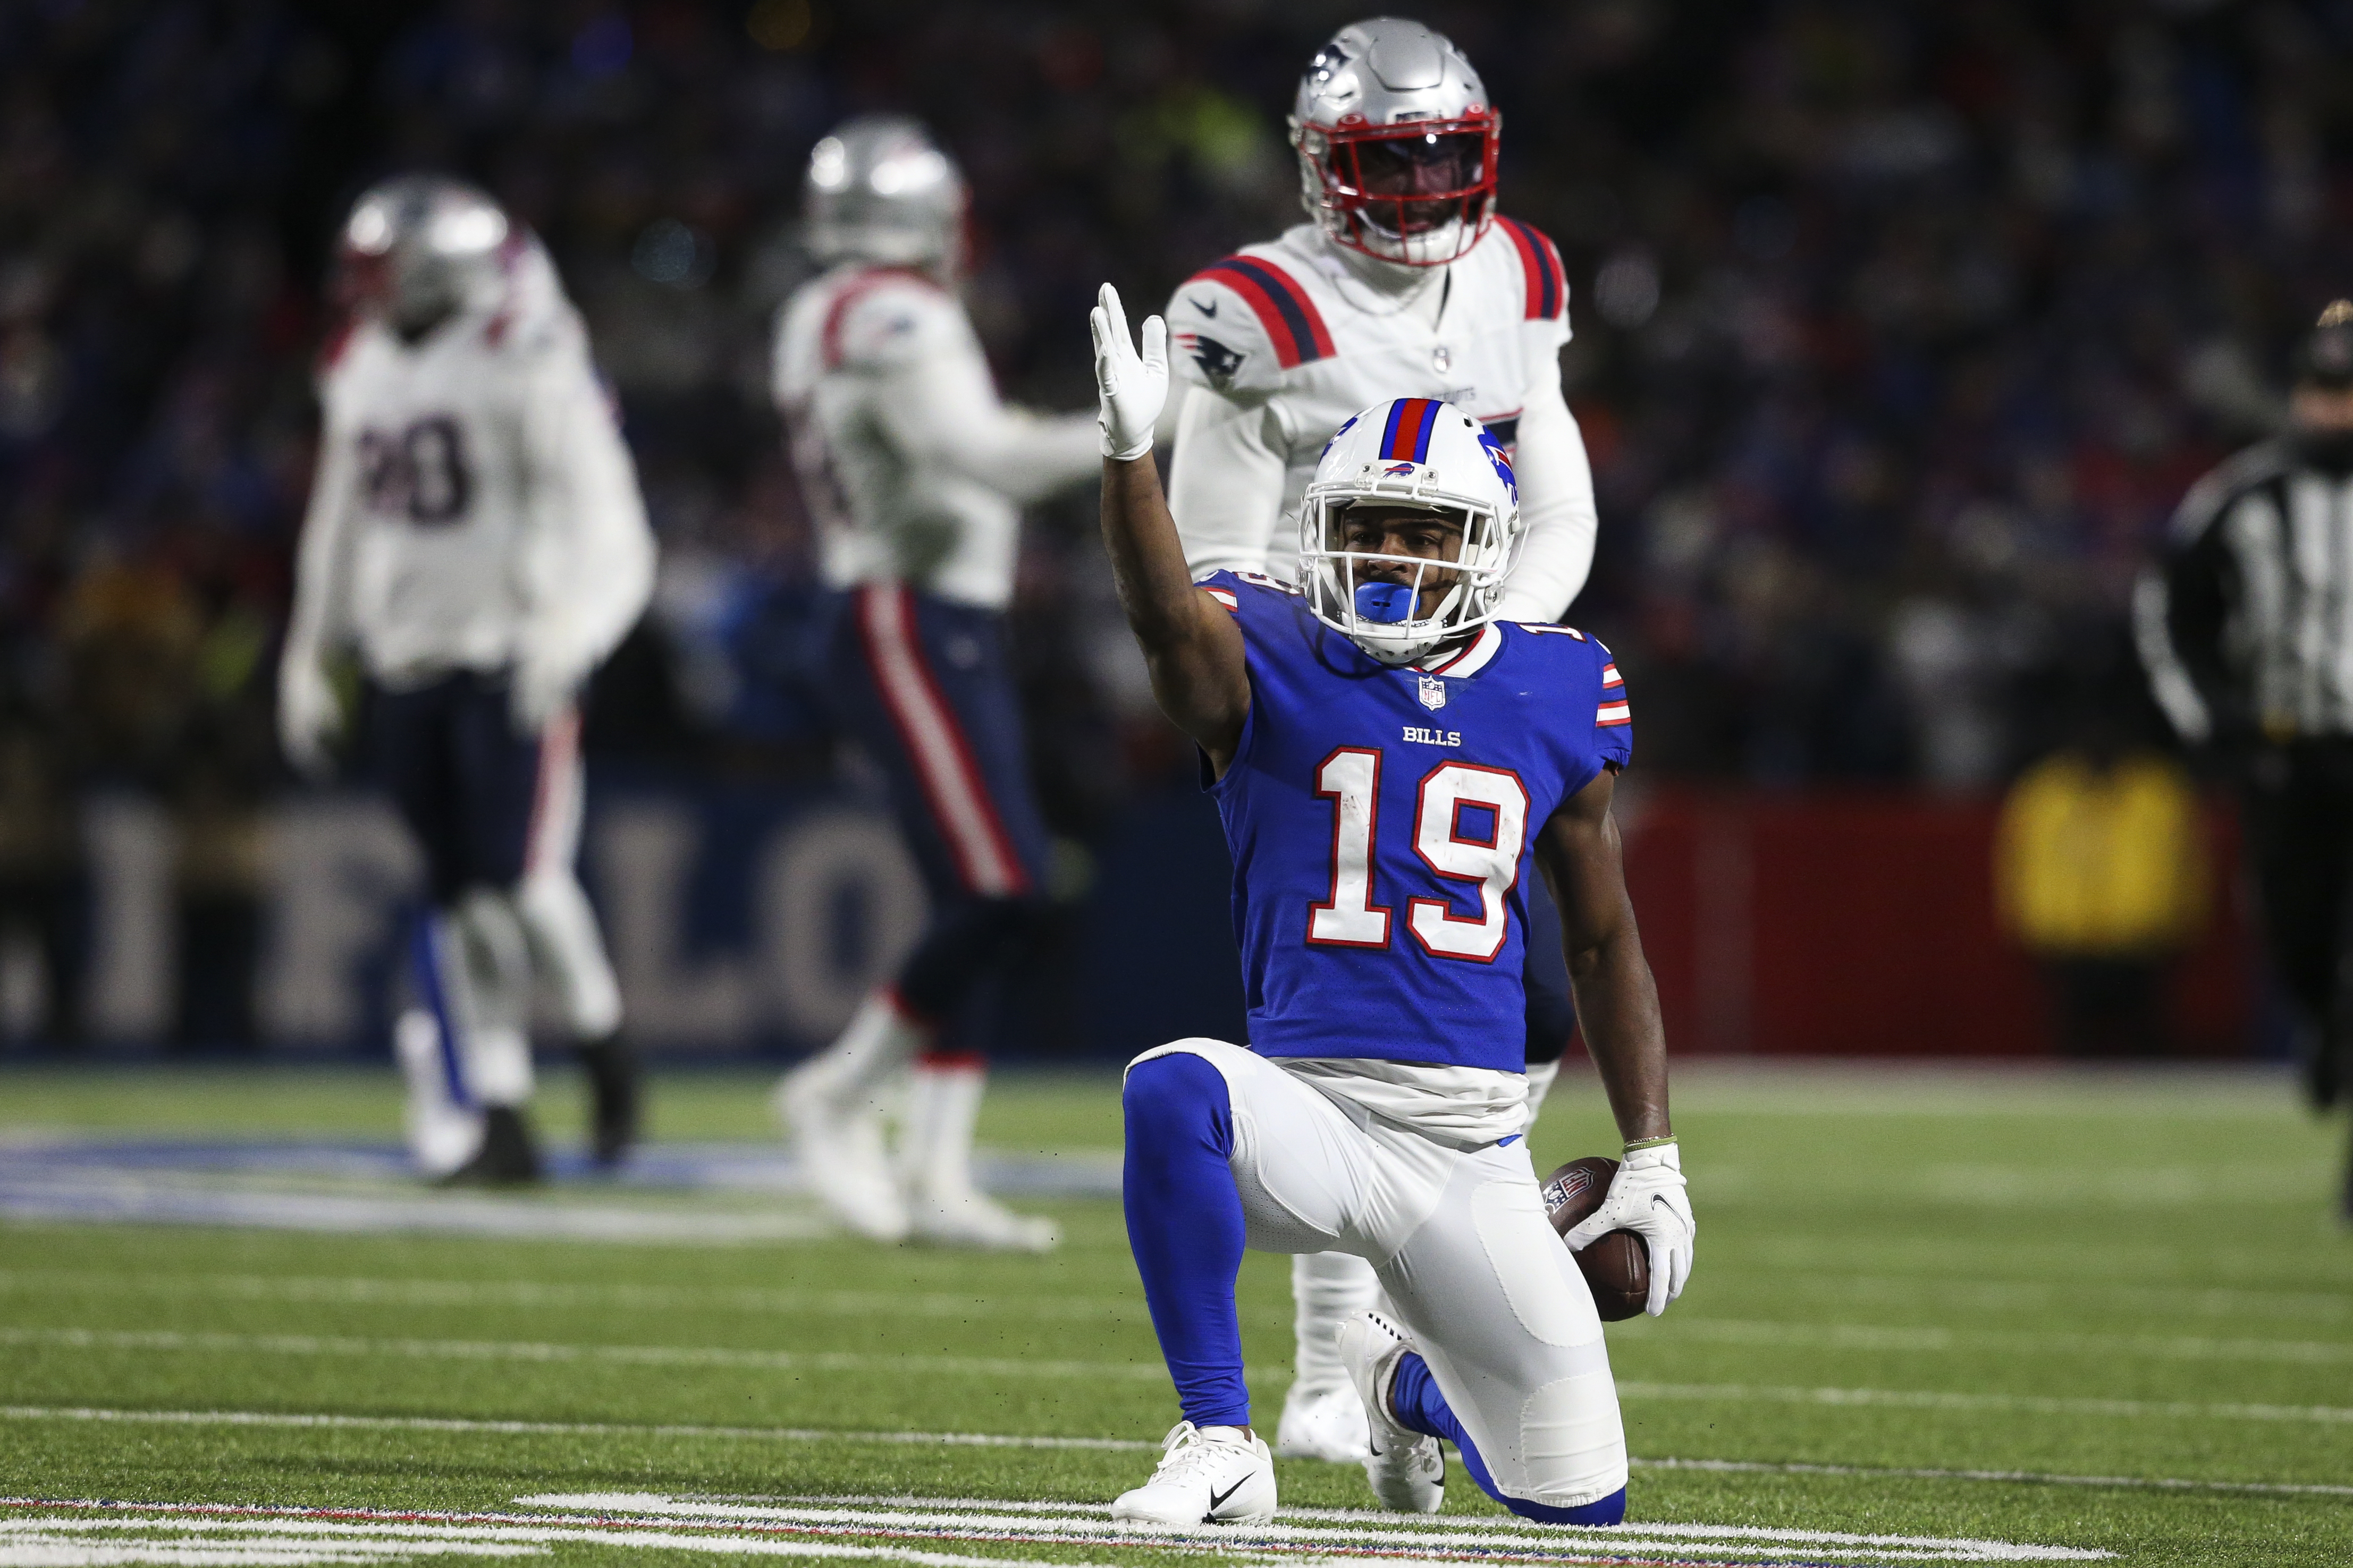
(2246, 628)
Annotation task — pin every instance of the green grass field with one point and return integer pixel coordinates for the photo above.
(2110, 1315)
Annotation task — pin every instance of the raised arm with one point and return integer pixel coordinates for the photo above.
(1583, 859)
(1191, 645)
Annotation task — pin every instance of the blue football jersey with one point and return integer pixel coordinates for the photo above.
(1382, 821)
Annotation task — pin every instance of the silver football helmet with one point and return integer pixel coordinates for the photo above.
(420, 248)
(878, 189)
(1397, 143)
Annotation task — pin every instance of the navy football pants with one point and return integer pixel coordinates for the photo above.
(926, 688)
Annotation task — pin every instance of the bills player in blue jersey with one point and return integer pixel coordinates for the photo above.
(1392, 762)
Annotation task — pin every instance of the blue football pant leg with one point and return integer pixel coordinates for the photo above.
(966, 942)
(1185, 1225)
(1420, 1405)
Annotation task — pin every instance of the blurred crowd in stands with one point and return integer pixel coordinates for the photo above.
(1900, 330)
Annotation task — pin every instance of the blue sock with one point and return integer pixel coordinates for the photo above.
(1185, 1226)
(1419, 1406)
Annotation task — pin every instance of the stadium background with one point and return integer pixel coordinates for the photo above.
(1900, 329)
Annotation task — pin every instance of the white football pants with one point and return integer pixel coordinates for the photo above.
(1458, 1239)
(566, 947)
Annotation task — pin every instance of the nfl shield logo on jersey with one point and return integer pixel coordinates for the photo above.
(1433, 692)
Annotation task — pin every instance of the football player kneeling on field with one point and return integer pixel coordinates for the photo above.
(1392, 763)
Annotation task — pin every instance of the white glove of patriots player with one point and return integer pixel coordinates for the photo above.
(1647, 1198)
(309, 715)
(1133, 385)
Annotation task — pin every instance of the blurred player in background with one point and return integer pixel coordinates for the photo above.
(1392, 764)
(1405, 283)
(2250, 651)
(916, 473)
(475, 534)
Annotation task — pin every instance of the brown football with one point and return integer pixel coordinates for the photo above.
(1617, 1269)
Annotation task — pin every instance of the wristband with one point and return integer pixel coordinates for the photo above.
(1641, 1143)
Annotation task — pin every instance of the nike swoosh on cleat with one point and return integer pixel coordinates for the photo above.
(1218, 1499)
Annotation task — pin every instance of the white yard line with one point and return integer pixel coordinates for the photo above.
(536, 1351)
(342, 1538)
(638, 1518)
(1133, 1371)
(1930, 1399)
(1936, 1340)
(270, 1418)
(362, 1291)
(458, 1425)
(1355, 1526)
(464, 1293)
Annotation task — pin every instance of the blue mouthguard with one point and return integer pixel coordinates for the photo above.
(1384, 602)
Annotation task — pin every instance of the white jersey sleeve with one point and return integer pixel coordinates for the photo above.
(1558, 518)
(586, 554)
(914, 463)
(1230, 474)
(1225, 480)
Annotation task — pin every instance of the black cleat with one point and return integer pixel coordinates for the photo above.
(614, 1097)
(508, 1157)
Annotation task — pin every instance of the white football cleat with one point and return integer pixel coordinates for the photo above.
(839, 1149)
(971, 1219)
(1326, 1423)
(1405, 1467)
(1213, 1474)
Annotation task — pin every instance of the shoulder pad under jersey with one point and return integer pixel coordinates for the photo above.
(1238, 326)
(886, 318)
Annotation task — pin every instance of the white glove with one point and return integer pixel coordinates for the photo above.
(1132, 387)
(1647, 1198)
(539, 689)
(308, 716)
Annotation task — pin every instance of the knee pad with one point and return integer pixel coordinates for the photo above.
(1178, 1098)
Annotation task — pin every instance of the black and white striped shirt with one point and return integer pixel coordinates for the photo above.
(2246, 626)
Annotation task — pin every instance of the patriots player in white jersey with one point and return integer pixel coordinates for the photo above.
(475, 535)
(1392, 764)
(916, 472)
(1405, 282)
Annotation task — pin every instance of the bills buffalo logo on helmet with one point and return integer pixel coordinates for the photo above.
(1396, 469)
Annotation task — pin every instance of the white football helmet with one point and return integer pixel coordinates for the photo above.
(1422, 454)
(878, 189)
(1397, 143)
(422, 247)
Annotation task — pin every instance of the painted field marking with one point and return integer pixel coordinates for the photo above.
(534, 1351)
(1488, 1533)
(298, 1420)
(819, 1529)
(460, 1425)
(1930, 1399)
(1136, 1371)
(274, 1540)
(98, 1198)
(1998, 1294)
(1869, 1337)
(367, 1291)
(359, 1290)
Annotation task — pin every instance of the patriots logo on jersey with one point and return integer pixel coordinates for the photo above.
(1217, 362)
